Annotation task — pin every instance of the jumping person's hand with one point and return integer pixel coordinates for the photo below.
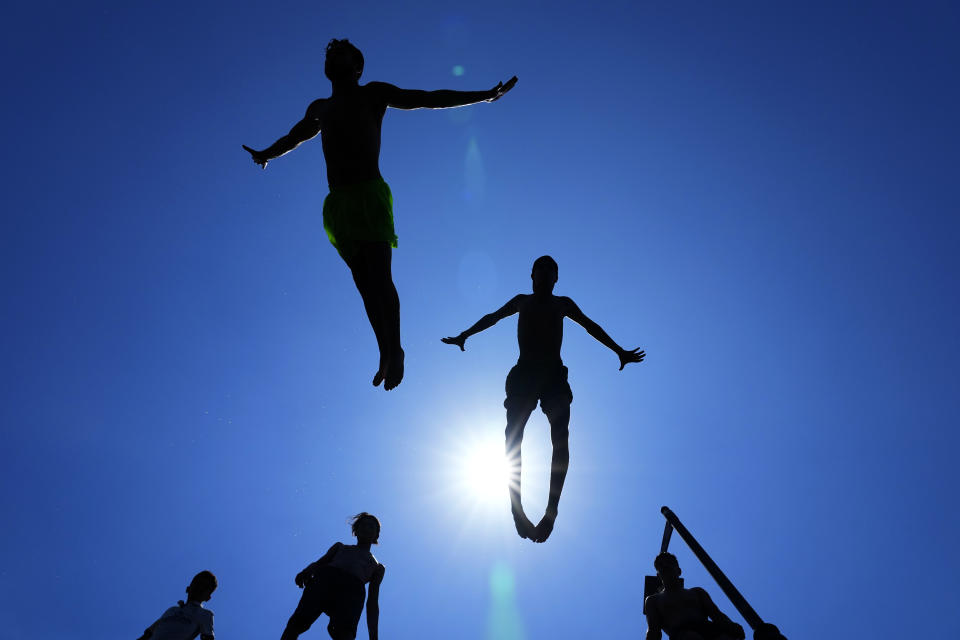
(457, 340)
(626, 357)
(258, 156)
(501, 89)
(301, 579)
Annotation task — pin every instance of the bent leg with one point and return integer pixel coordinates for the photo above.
(306, 613)
(559, 417)
(517, 415)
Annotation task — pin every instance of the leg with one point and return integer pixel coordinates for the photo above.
(374, 279)
(559, 417)
(306, 613)
(517, 415)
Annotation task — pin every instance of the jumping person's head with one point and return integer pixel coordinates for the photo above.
(201, 587)
(365, 527)
(544, 274)
(668, 569)
(344, 62)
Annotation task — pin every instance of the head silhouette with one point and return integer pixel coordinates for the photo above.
(668, 569)
(544, 274)
(201, 587)
(344, 62)
(365, 527)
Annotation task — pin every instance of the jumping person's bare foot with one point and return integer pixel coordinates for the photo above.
(525, 528)
(381, 372)
(544, 528)
(394, 370)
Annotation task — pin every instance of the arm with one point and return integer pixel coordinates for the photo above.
(373, 602)
(309, 570)
(572, 311)
(486, 322)
(442, 99)
(713, 611)
(304, 130)
(654, 624)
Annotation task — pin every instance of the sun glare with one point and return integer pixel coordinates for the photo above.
(483, 472)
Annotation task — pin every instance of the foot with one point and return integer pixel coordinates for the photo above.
(381, 372)
(394, 370)
(525, 528)
(544, 528)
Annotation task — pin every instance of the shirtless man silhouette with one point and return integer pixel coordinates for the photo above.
(358, 212)
(539, 375)
(685, 614)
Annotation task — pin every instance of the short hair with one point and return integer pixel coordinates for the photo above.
(363, 515)
(346, 45)
(663, 557)
(546, 261)
(204, 581)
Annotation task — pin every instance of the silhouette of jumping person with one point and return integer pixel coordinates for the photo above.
(358, 212)
(685, 614)
(539, 375)
(187, 620)
(334, 585)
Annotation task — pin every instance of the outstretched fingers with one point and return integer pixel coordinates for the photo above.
(458, 341)
(501, 88)
(257, 157)
(628, 356)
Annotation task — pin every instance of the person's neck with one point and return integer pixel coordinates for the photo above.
(363, 545)
(341, 87)
(673, 586)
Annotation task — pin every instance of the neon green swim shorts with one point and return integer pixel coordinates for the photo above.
(359, 213)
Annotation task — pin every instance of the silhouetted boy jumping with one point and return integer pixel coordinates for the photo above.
(539, 375)
(358, 212)
(685, 614)
(334, 585)
(187, 620)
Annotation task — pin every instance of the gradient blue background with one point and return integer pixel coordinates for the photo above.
(762, 195)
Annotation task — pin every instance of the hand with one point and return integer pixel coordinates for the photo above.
(258, 156)
(458, 340)
(301, 579)
(626, 357)
(501, 89)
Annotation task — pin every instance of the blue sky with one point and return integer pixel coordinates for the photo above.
(763, 196)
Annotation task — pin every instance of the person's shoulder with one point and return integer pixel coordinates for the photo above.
(653, 600)
(317, 107)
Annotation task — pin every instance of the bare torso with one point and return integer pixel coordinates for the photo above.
(680, 609)
(350, 124)
(540, 327)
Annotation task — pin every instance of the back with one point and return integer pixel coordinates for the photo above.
(184, 622)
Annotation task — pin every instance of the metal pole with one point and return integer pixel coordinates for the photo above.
(667, 531)
(738, 600)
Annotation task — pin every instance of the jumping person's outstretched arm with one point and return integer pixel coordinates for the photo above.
(304, 130)
(441, 99)
(373, 602)
(485, 322)
(572, 311)
(304, 576)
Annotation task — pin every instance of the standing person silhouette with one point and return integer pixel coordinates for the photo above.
(334, 585)
(187, 620)
(358, 212)
(539, 375)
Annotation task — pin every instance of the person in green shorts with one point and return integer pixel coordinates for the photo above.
(358, 212)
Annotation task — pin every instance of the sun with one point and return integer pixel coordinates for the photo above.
(483, 471)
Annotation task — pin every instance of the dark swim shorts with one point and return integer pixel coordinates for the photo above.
(335, 593)
(359, 213)
(529, 383)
